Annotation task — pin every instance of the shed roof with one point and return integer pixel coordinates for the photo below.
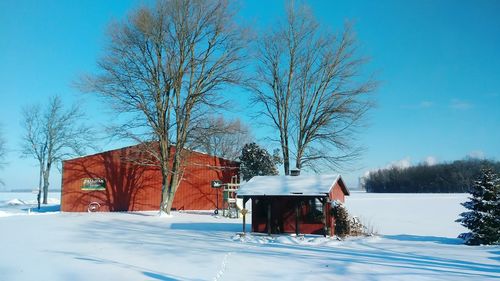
(315, 185)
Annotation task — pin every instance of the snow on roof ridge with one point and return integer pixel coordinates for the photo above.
(290, 185)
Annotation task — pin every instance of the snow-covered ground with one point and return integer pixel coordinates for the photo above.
(22, 203)
(428, 214)
(199, 246)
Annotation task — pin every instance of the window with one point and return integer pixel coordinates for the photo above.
(259, 208)
(314, 211)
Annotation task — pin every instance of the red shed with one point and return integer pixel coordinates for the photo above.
(293, 204)
(111, 182)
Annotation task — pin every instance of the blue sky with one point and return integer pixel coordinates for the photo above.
(437, 62)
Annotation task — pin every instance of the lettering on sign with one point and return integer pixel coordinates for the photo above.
(94, 184)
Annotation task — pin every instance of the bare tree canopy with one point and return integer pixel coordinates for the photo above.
(164, 66)
(310, 85)
(51, 134)
(220, 137)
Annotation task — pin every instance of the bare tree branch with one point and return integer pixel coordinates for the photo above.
(164, 67)
(216, 136)
(309, 82)
(53, 134)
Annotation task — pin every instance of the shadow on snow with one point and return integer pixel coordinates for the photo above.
(207, 238)
(417, 238)
(226, 227)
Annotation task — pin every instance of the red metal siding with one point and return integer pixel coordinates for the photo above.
(132, 187)
(336, 193)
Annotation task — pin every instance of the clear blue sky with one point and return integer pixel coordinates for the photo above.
(438, 63)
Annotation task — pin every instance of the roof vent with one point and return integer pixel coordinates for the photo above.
(294, 173)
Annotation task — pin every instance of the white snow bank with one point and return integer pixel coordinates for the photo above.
(5, 214)
(292, 239)
(53, 201)
(199, 246)
(430, 214)
(25, 203)
(15, 202)
(26, 198)
(144, 246)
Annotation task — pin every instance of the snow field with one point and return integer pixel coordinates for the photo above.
(199, 246)
(428, 214)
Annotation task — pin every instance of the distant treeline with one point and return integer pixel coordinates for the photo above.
(457, 176)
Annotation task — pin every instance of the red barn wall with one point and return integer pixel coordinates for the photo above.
(132, 187)
(337, 193)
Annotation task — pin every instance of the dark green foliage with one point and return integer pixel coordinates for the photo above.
(342, 222)
(256, 161)
(483, 217)
(457, 176)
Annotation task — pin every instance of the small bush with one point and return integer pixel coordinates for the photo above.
(360, 228)
(346, 225)
(342, 221)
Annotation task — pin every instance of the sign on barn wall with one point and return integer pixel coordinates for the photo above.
(94, 184)
(216, 184)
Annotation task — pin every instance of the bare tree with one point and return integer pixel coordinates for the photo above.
(52, 134)
(217, 136)
(163, 68)
(309, 82)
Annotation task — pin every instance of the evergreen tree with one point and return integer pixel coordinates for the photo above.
(256, 161)
(483, 217)
(342, 223)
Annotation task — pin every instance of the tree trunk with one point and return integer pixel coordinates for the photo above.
(298, 161)
(298, 164)
(286, 154)
(46, 184)
(174, 181)
(286, 164)
(165, 163)
(172, 188)
(39, 195)
(164, 194)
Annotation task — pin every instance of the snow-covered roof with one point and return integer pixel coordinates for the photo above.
(290, 185)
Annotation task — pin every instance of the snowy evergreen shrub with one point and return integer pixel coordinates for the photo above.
(347, 225)
(358, 228)
(483, 217)
(256, 161)
(342, 221)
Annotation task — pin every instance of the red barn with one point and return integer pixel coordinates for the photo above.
(110, 181)
(293, 204)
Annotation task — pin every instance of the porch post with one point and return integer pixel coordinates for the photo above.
(244, 212)
(323, 201)
(297, 217)
(269, 215)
